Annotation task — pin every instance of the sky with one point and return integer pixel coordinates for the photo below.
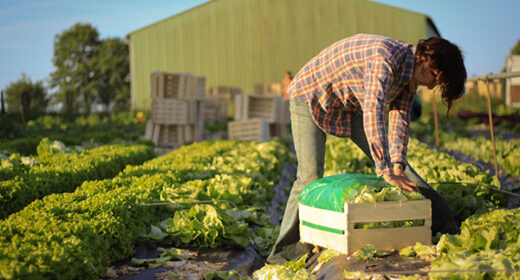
(484, 30)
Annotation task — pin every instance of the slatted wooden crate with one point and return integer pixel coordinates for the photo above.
(249, 130)
(173, 111)
(250, 106)
(168, 85)
(336, 230)
(177, 86)
(215, 110)
(168, 135)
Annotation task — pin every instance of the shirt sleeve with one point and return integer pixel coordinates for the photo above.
(378, 77)
(399, 126)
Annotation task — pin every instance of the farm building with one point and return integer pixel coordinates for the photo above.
(513, 84)
(237, 43)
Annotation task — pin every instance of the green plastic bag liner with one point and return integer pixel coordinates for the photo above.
(331, 192)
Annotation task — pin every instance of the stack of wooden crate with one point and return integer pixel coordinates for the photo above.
(177, 109)
(249, 108)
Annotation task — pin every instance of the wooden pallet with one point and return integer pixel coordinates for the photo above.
(343, 237)
(249, 130)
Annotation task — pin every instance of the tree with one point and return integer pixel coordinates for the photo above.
(2, 103)
(74, 77)
(112, 68)
(25, 96)
(516, 49)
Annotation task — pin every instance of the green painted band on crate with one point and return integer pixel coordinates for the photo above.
(315, 226)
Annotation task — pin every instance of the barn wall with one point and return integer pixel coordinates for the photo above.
(239, 43)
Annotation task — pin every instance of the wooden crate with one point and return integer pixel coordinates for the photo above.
(168, 135)
(249, 130)
(251, 106)
(177, 86)
(168, 85)
(215, 110)
(174, 111)
(263, 107)
(343, 237)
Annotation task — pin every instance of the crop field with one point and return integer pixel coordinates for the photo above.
(79, 207)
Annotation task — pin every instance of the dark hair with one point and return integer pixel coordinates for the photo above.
(445, 59)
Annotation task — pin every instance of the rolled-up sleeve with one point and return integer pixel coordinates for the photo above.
(378, 76)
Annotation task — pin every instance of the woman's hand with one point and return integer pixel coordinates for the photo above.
(398, 179)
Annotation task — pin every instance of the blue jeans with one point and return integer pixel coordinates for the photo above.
(309, 144)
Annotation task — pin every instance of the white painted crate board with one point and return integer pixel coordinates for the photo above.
(173, 111)
(239, 107)
(353, 239)
(148, 135)
(249, 130)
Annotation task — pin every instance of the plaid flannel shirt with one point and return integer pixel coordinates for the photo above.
(360, 76)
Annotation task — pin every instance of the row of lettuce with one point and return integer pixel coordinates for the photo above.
(489, 237)
(78, 234)
(73, 131)
(466, 188)
(487, 247)
(477, 146)
(57, 169)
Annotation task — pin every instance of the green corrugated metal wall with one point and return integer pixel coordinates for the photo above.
(239, 43)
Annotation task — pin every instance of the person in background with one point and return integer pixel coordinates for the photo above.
(285, 83)
(344, 91)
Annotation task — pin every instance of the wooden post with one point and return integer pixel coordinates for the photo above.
(491, 130)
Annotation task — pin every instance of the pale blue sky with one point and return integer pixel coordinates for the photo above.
(485, 30)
